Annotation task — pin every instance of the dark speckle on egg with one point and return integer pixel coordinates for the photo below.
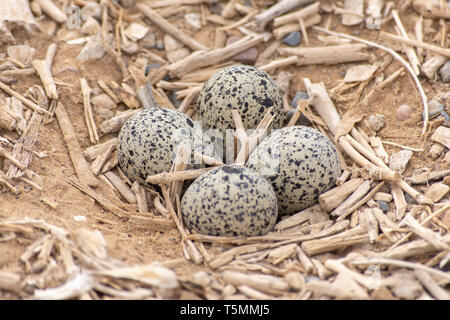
(300, 162)
(148, 142)
(230, 200)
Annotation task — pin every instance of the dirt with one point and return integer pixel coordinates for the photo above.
(135, 243)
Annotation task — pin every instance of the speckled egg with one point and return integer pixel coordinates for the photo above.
(244, 88)
(148, 142)
(230, 200)
(300, 163)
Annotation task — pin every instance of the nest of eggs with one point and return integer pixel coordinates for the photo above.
(273, 171)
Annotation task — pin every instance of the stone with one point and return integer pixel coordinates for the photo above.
(436, 150)
(409, 199)
(434, 109)
(359, 73)
(103, 101)
(149, 41)
(437, 191)
(444, 72)
(293, 39)
(375, 122)
(150, 67)
(302, 120)
(384, 206)
(171, 44)
(91, 9)
(301, 95)
(21, 53)
(159, 45)
(136, 31)
(127, 3)
(176, 55)
(130, 47)
(248, 56)
(92, 50)
(442, 135)
(173, 98)
(91, 26)
(194, 21)
(447, 157)
(403, 112)
(398, 161)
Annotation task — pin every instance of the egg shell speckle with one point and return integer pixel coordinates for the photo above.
(244, 88)
(300, 163)
(148, 142)
(230, 200)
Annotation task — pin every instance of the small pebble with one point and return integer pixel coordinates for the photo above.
(302, 121)
(403, 112)
(375, 122)
(248, 56)
(293, 39)
(103, 101)
(159, 45)
(91, 9)
(446, 116)
(149, 67)
(194, 21)
(436, 150)
(301, 95)
(384, 206)
(434, 109)
(173, 98)
(409, 199)
(91, 26)
(445, 72)
(149, 41)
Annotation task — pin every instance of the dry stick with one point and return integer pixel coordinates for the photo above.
(296, 15)
(362, 201)
(24, 100)
(409, 51)
(82, 168)
(108, 91)
(25, 145)
(50, 9)
(249, 143)
(439, 50)
(90, 123)
(193, 251)
(169, 28)
(98, 163)
(121, 186)
(397, 57)
(192, 94)
(141, 199)
(202, 59)
(280, 32)
(321, 101)
(169, 177)
(283, 62)
(106, 46)
(423, 223)
(107, 204)
(284, 238)
(301, 105)
(431, 285)
(278, 9)
(404, 264)
(327, 55)
(43, 69)
(426, 234)
(94, 151)
(5, 154)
